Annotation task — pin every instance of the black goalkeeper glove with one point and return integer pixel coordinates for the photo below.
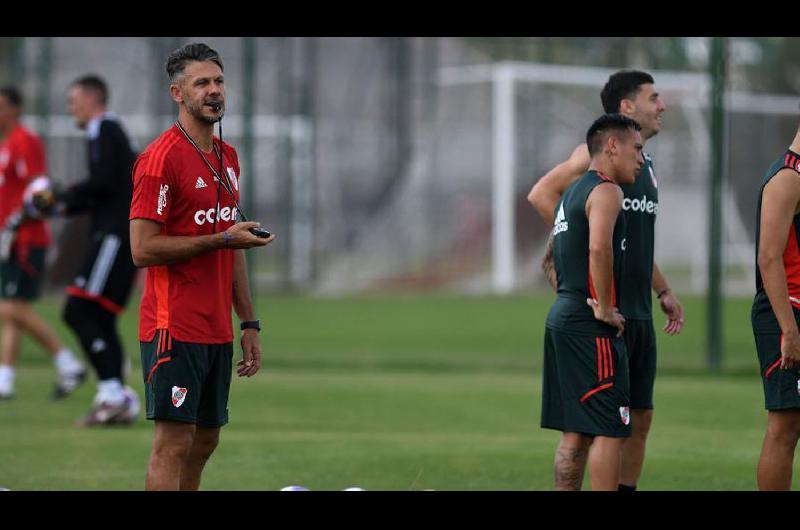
(43, 204)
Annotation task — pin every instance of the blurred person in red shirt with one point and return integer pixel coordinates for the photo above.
(23, 247)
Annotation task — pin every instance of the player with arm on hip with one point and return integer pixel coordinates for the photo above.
(585, 390)
(632, 94)
(776, 313)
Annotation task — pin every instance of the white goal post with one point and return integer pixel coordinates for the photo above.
(691, 88)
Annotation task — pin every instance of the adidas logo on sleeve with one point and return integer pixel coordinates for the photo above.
(560, 224)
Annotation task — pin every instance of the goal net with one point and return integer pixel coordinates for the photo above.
(461, 219)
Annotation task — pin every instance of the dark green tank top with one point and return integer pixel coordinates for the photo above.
(761, 315)
(640, 207)
(571, 257)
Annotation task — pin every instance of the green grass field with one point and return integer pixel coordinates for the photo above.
(399, 393)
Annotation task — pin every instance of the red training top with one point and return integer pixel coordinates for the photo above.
(173, 186)
(21, 160)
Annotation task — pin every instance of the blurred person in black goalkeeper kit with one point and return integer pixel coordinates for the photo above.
(101, 288)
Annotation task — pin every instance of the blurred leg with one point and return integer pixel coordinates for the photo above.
(36, 326)
(9, 347)
(95, 328)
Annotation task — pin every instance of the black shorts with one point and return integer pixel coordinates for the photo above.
(186, 382)
(21, 275)
(781, 387)
(640, 342)
(585, 385)
(107, 274)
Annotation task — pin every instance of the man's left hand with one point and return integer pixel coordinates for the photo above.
(674, 311)
(251, 350)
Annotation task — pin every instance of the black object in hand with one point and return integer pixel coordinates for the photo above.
(43, 201)
(260, 232)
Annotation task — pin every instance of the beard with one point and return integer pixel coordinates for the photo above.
(196, 110)
(654, 130)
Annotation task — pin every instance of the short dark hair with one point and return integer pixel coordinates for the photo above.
(94, 83)
(12, 94)
(196, 51)
(607, 123)
(624, 84)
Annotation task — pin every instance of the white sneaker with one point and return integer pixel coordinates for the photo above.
(133, 406)
(107, 413)
(67, 382)
(6, 382)
(6, 391)
(102, 414)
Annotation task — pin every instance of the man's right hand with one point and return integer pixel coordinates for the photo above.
(790, 351)
(239, 236)
(610, 316)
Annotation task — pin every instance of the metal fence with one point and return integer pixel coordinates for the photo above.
(376, 169)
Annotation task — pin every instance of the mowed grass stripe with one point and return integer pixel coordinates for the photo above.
(394, 393)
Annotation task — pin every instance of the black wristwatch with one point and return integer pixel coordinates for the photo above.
(251, 324)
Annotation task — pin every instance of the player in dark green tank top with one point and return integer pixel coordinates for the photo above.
(640, 207)
(632, 94)
(761, 315)
(775, 315)
(570, 313)
(585, 381)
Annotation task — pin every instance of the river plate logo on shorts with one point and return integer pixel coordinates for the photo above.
(178, 395)
(625, 414)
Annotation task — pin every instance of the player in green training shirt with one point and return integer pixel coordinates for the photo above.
(585, 384)
(632, 94)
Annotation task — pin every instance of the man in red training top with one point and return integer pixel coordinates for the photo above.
(184, 230)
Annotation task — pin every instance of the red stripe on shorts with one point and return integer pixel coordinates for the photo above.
(599, 360)
(590, 393)
(158, 363)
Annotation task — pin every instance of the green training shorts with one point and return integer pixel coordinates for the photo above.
(21, 275)
(781, 387)
(186, 382)
(640, 344)
(585, 386)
